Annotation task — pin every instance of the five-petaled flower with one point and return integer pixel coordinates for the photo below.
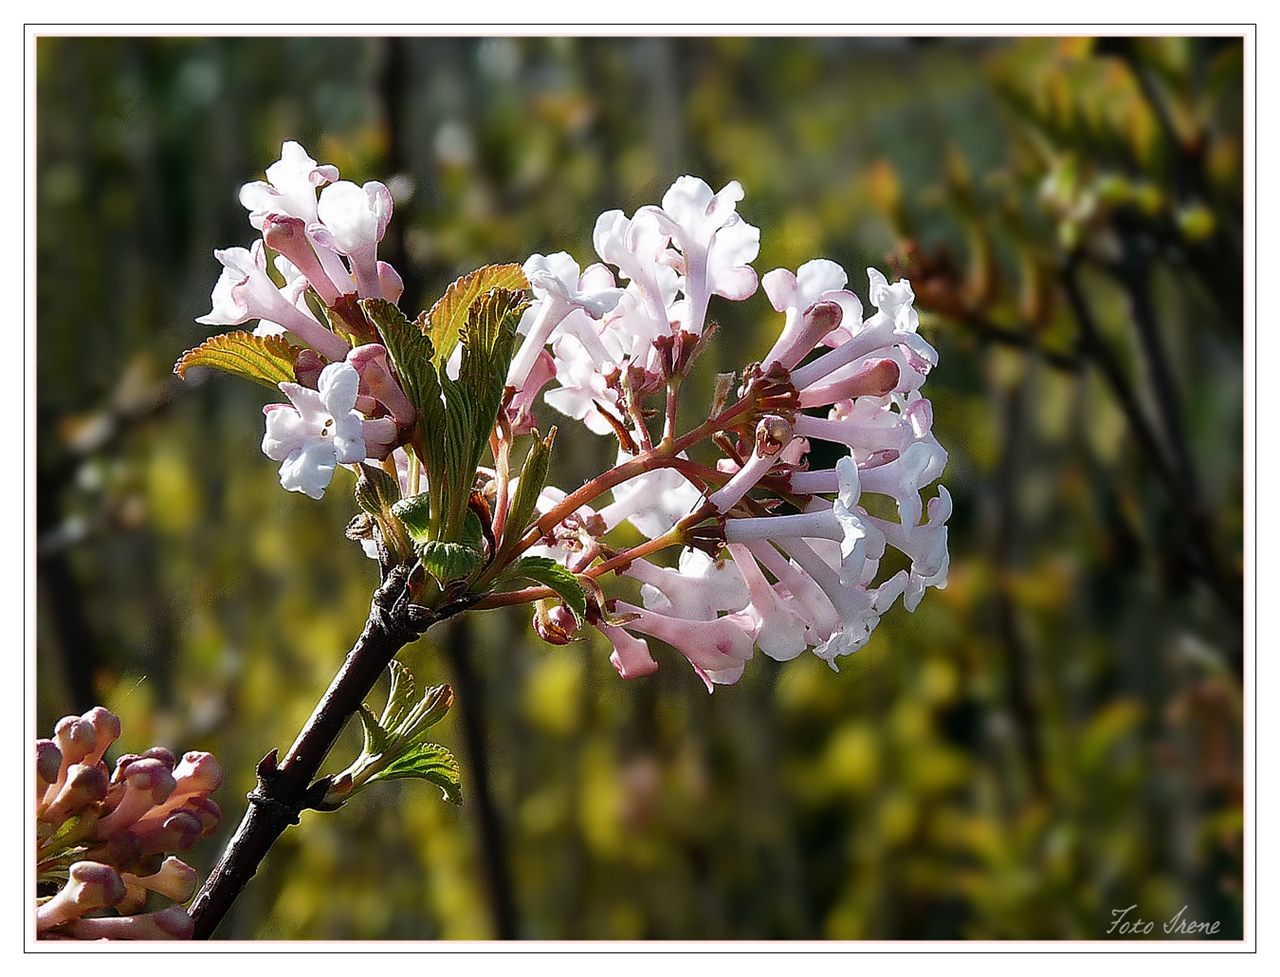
(320, 431)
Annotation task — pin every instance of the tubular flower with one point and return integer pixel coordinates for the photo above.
(808, 577)
(558, 290)
(318, 432)
(352, 220)
(290, 191)
(101, 838)
(245, 291)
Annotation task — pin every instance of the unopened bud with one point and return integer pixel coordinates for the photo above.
(90, 885)
(288, 236)
(121, 850)
(392, 283)
(554, 623)
(773, 433)
(106, 728)
(134, 901)
(180, 831)
(84, 786)
(875, 379)
(207, 812)
(176, 880)
(148, 782)
(167, 924)
(48, 763)
(75, 738)
(307, 367)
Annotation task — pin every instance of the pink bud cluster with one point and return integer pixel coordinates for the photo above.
(347, 405)
(780, 581)
(103, 837)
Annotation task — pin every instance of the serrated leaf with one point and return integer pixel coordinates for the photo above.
(456, 416)
(377, 493)
(488, 343)
(430, 762)
(445, 321)
(376, 490)
(448, 561)
(410, 350)
(393, 746)
(533, 477)
(265, 359)
(415, 512)
(400, 696)
(411, 354)
(549, 573)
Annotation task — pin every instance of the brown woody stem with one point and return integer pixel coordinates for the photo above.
(282, 790)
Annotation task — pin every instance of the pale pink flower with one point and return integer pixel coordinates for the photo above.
(244, 291)
(716, 244)
(318, 432)
(352, 220)
(653, 502)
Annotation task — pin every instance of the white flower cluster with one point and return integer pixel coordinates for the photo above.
(611, 337)
(806, 579)
(351, 408)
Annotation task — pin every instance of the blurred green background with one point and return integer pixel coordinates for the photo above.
(1055, 735)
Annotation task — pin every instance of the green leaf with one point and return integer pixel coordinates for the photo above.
(265, 359)
(456, 417)
(393, 743)
(376, 491)
(400, 696)
(431, 762)
(410, 350)
(449, 561)
(473, 401)
(375, 736)
(456, 469)
(444, 323)
(415, 512)
(488, 343)
(533, 477)
(549, 573)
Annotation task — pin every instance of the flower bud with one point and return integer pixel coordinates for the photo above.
(48, 764)
(772, 435)
(175, 880)
(288, 236)
(106, 727)
(206, 812)
(121, 850)
(196, 775)
(148, 782)
(167, 924)
(75, 737)
(180, 831)
(307, 366)
(555, 624)
(875, 379)
(392, 283)
(90, 886)
(84, 786)
(134, 901)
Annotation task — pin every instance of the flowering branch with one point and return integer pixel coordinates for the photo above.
(416, 407)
